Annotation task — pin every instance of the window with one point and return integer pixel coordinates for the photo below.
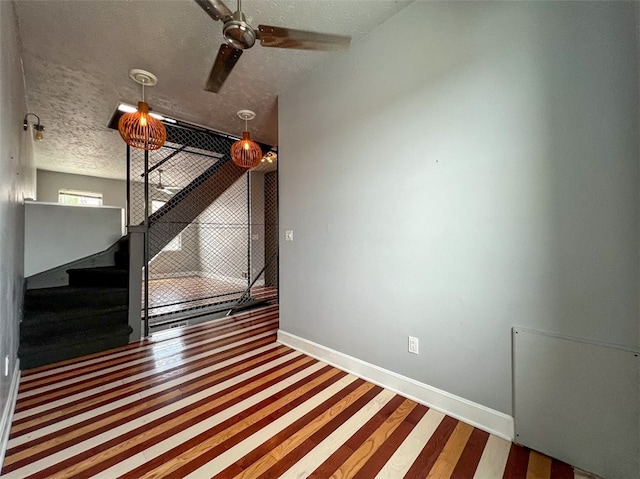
(176, 243)
(85, 198)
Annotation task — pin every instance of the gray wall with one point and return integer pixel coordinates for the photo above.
(185, 261)
(17, 180)
(167, 263)
(257, 224)
(50, 182)
(465, 168)
(57, 234)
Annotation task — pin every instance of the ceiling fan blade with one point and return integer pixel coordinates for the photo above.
(279, 37)
(225, 61)
(215, 9)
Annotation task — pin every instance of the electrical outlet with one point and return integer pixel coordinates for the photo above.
(413, 345)
(288, 235)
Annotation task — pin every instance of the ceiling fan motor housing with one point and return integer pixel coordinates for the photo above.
(238, 33)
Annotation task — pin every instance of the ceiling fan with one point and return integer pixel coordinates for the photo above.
(239, 35)
(170, 190)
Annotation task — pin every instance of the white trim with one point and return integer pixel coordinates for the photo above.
(7, 413)
(64, 205)
(180, 274)
(482, 417)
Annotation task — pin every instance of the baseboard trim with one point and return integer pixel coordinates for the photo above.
(241, 282)
(7, 413)
(181, 274)
(482, 417)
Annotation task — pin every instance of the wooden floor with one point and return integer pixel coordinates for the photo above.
(224, 399)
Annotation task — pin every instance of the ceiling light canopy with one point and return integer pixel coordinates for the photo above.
(246, 153)
(125, 108)
(140, 129)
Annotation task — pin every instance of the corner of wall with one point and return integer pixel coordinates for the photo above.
(7, 412)
(637, 7)
(477, 415)
(17, 181)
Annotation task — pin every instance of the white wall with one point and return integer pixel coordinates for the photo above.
(114, 192)
(17, 180)
(465, 168)
(224, 227)
(58, 234)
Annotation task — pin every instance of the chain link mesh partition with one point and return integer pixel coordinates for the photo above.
(212, 236)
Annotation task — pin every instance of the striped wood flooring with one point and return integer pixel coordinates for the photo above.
(224, 399)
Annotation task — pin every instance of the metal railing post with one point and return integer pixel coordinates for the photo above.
(128, 200)
(136, 263)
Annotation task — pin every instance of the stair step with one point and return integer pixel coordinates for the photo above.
(55, 349)
(122, 259)
(160, 321)
(249, 304)
(61, 298)
(105, 276)
(38, 324)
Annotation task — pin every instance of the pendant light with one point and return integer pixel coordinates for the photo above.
(246, 153)
(139, 129)
(270, 157)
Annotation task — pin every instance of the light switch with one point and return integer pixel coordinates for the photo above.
(288, 235)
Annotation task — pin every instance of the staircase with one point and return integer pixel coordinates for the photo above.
(90, 314)
(186, 205)
(87, 316)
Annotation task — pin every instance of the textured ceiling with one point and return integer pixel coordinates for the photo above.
(77, 55)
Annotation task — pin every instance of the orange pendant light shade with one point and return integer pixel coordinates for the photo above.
(141, 130)
(246, 153)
